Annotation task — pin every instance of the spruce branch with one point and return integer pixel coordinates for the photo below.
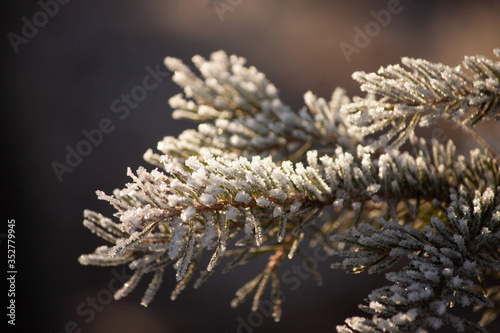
(424, 94)
(256, 179)
(241, 114)
(446, 258)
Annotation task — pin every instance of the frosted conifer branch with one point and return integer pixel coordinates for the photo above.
(241, 114)
(419, 97)
(255, 178)
(446, 259)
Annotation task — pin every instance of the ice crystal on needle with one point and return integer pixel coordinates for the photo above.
(255, 176)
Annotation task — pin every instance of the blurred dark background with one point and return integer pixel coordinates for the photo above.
(63, 79)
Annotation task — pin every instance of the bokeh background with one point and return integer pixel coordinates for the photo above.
(64, 79)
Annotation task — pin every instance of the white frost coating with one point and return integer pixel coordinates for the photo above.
(395, 186)
(456, 281)
(130, 220)
(194, 163)
(278, 211)
(373, 188)
(185, 260)
(237, 141)
(232, 213)
(355, 205)
(207, 199)
(402, 318)
(179, 231)
(359, 325)
(434, 322)
(153, 287)
(385, 325)
(432, 275)
(136, 218)
(176, 200)
(397, 298)
(282, 229)
(271, 90)
(243, 197)
(249, 223)
(262, 202)
(377, 306)
(210, 233)
(111, 199)
(295, 206)
(339, 202)
(188, 213)
(278, 194)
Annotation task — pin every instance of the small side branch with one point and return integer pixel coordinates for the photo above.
(479, 140)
